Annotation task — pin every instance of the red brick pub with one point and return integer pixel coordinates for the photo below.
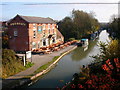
(27, 33)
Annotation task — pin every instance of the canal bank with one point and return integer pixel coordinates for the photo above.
(68, 65)
(21, 78)
(53, 64)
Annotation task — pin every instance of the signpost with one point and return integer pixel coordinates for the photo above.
(28, 55)
(24, 60)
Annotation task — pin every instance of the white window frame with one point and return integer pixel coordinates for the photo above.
(33, 44)
(34, 27)
(48, 26)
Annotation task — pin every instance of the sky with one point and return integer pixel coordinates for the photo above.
(105, 1)
(103, 12)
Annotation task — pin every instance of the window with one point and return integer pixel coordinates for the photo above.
(52, 26)
(34, 34)
(34, 25)
(44, 42)
(49, 31)
(44, 26)
(48, 26)
(53, 40)
(38, 44)
(33, 45)
(15, 33)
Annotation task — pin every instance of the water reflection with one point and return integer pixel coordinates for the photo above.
(79, 53)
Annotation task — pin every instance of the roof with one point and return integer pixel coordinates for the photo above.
(32, 19)
(84, 39)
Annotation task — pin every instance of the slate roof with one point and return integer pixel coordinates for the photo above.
(32, 19)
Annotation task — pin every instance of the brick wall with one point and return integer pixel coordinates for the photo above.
(40, 36)
(19, 42)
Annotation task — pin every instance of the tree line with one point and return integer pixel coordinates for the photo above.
(78, 25)
(114, 28)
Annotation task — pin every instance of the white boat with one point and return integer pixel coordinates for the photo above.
(85, 44)
(85, 48)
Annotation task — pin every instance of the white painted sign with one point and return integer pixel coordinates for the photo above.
(28, 54)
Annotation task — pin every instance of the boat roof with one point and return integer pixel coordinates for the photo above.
(83, 39)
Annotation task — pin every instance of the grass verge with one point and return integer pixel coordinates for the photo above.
(43, 67)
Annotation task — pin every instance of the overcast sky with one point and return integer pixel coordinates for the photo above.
(103, 12)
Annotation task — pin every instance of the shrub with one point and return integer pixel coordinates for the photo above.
(105, 79)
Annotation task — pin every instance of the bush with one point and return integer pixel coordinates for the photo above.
(102, 80)
(110, 50)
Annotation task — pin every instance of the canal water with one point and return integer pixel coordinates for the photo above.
(70, 64)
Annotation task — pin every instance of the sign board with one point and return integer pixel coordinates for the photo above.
(39, 29)
(28, 54)
(17, 23)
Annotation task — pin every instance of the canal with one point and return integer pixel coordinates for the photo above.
(70, 64)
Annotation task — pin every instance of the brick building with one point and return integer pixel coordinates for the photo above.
(27, 33)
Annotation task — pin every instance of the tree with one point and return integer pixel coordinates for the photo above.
(66, 27)
(78, 25)
(115, 28)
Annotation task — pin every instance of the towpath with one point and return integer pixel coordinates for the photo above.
(38, 61)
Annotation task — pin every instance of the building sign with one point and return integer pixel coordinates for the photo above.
(12, 24)
(28, 54)
(39, 29)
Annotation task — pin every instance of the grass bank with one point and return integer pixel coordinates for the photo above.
(11, 64)
(43, 67)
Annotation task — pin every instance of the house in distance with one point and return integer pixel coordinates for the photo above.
(27, 33)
